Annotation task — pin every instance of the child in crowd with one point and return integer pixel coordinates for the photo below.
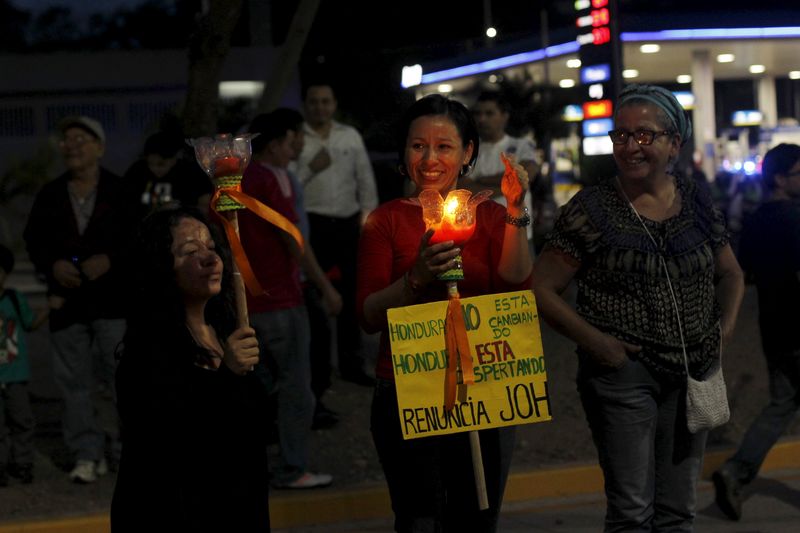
(16, 417)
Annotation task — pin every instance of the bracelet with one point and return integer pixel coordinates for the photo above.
(519, 222)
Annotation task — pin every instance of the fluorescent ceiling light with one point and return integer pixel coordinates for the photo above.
(711, 33)
(794, 75)
(757, 69)
(571, 47)
(630, 73)
(684, 78)
(499, 63)
(573, 63)
(725, 58)
(566, 84)
(650, 48)
(445, 88)
(240, 89)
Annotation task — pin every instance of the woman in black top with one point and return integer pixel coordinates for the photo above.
(194, 452)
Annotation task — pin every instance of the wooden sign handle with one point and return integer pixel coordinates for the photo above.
(477, 467)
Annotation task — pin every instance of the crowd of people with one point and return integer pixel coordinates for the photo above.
(162, 381)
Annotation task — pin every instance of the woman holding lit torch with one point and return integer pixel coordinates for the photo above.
(194, 446)
(430, 479)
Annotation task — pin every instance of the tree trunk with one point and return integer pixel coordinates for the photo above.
(277, 80)
(207, 52)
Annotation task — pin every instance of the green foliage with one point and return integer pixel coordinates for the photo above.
(153, 24)
(26, 176)
(12, 27)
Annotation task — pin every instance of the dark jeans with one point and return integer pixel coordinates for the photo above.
(784, 400)
(431, 480)
(320, 348)
(335, 243)
(649, 459)
(283, 335)
(87, 385)
(16, 424)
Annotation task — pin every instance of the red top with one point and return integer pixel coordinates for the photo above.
(269, 256)
(389, 246)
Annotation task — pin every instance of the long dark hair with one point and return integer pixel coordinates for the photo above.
(157, 312)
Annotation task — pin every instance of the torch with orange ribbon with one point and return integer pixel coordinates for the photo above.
(224, 158)
(454, 219)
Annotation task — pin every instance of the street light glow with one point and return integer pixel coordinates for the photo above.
(491, 32)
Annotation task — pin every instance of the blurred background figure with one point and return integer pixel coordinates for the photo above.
(321, 297)
(76, 237)
(491, 113)
(770, 256)
(16, 417)
(279, 315)
(339, 190)
(163, 175)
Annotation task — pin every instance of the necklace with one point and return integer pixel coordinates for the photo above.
(664, 212)
(209, 350)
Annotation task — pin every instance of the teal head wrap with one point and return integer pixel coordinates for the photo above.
(665, 100)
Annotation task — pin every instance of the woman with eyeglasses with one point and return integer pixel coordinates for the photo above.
(655, 274)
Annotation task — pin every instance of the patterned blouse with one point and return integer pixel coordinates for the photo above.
(622, 288)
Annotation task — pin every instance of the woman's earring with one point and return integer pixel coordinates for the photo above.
(465, 170)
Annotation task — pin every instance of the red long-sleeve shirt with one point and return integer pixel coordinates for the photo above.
(389, 247)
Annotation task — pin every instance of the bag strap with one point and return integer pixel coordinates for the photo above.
(669, 282)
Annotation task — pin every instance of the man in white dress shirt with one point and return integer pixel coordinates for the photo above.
(491, 114)
(339, 190)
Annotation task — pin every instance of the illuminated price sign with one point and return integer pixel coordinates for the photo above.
(600, 145)
(597, 109)
(599, 77)
(596, 18)
(596, 73)
(599, 18)
(601, 35)
(597, 126)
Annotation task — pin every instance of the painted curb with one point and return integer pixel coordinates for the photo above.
(366, 503)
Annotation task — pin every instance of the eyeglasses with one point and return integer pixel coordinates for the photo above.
(78, 140)
(642, 137)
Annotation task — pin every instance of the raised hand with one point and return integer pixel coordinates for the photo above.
(515, 182)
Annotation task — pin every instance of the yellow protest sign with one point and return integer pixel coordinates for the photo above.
(506, 348)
